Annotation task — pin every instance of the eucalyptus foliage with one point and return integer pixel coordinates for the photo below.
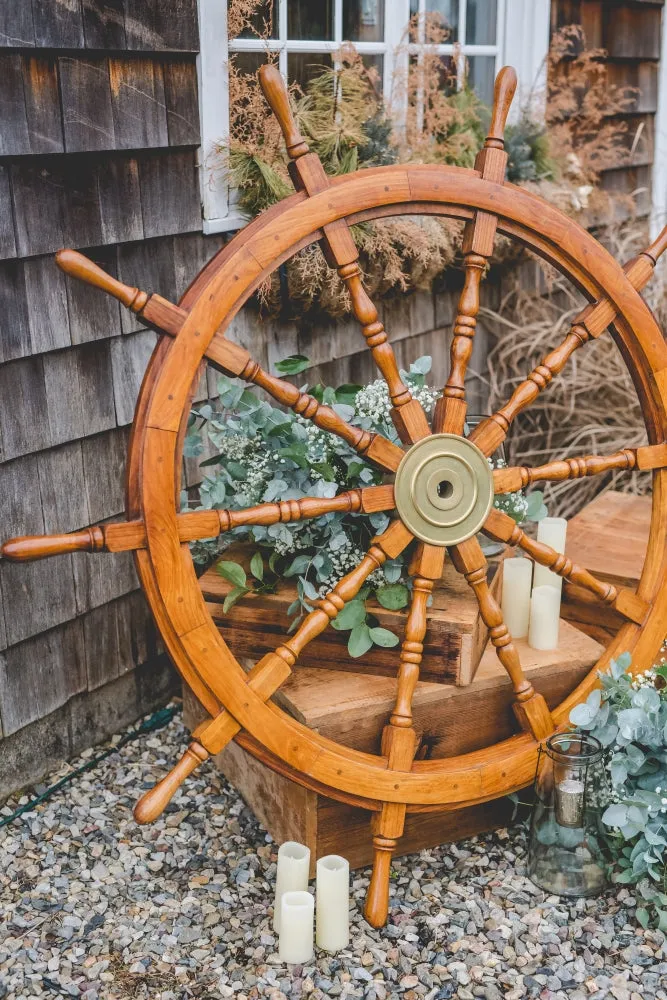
(265, 454)
(629, 716)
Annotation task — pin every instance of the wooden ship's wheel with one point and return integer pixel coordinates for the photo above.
(439, 485)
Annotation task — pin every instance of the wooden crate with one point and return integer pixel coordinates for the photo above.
(353, 710)
(453, 647)
(609, 538)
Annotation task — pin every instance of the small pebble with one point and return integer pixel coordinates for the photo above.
(95, 907)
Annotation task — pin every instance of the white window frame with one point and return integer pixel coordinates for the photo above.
(658, 216)
(522, 39)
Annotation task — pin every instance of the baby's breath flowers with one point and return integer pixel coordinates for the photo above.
(265, 454)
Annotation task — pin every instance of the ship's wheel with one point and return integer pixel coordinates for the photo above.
(439, 487)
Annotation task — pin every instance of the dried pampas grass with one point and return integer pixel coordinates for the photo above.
(592, 406)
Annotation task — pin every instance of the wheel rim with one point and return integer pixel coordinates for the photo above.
(166, 568)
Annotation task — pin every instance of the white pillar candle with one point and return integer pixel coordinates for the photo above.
(517, 580)
(544, 618)
(551, 531)
(292, 874)
(295, 943)
(332, 896)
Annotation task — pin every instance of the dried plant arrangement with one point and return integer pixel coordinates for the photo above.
(344, 119)
(583, 414)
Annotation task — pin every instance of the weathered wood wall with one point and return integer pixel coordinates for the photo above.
(630, 31)
(98, 150)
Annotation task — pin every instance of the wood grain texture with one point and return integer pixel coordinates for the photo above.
(478, 239)
(453, 646)
(104, 24)
(138, 103)
(86, 99)
(341, 253)
(42, 104)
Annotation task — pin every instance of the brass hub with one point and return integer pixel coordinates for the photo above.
(444, 489)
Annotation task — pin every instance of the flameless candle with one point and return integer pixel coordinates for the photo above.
(570, 802)
(517, 579)
(551, 531)
(332, 897)
(295, 944)
(544, 618)
(292, 874)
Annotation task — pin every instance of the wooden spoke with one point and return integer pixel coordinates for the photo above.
(478, 239)
(271, 671)
(530, 707)
(399, 739)
(341, 253)
(167, 318)
(234, 360)
(209, 738)
(509, 480)
(374, 447)
(589, 324)
(386, 546)
(503, 528)
(192, 525)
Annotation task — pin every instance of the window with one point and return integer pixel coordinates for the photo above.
(306, 34)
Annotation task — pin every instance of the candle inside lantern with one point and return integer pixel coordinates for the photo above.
(517, 579)
(569, 804)
(551, 531)
(544, 618)
(333, 903)
(295, 943)
(292, 874)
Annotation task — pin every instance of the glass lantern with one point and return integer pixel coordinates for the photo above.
(570, 788)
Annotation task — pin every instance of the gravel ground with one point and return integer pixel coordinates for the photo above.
(93, 906)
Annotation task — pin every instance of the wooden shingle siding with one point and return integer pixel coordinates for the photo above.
(85, 202)
(16, 24)
(99, 125)
(138, 104)
(42, 674)
(86, 98)
(143, 25)
(81, 103)
(630, 32)
(104, 24)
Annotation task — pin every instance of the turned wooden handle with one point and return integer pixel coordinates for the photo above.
(377, 898)
(153, 803)
(275, 91)
(30, 547)
(503, 93)
(77, 266)
(659, 245)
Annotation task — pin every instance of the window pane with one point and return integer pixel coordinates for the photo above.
(302, 66)
(376, 64)
(248, 62)
(363, 20)
(313, 19)
(481, 73)
(481, 22)
(263, 23)
(448, 11)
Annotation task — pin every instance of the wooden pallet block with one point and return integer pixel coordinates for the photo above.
(353, 709)
(455, 639)
(609, 537)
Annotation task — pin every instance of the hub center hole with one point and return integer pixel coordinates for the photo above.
(445, 489)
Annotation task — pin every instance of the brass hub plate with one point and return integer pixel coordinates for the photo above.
(444, 489)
